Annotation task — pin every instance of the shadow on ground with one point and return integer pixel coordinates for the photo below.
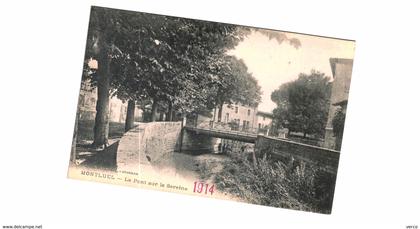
(103, 160)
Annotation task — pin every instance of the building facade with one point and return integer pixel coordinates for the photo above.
(87, 105)
(341, 69)
(264, 122)
(243, 117)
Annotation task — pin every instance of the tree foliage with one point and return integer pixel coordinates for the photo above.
(338, 126)
(303, 104)
(172, 63)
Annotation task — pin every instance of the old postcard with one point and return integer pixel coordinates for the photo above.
(211, 109)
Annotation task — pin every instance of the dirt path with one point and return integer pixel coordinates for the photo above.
(199, 167)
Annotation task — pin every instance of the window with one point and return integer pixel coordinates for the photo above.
(249, 112)
(92, 102)
(227, 118)
(236, 110)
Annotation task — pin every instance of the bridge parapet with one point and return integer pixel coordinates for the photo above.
(210, 124)
(283, 149)
(223, 133)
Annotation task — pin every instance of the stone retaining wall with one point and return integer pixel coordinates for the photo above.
(148, 144)
(160, 141)
(282, 149)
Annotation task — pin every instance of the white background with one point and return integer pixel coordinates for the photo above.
(41, 54)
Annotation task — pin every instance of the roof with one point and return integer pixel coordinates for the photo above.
(341, 103)
(265, 114)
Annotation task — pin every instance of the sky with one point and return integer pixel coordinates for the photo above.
(273, 64)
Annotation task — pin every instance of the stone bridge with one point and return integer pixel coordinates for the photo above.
(153, 144)
(225, 134)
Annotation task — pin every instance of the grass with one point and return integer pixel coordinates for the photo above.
(295, 185)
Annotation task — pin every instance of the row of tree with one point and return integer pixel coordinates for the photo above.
(174, 64)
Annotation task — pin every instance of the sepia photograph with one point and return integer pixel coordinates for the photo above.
(211, 109)
(209, 114)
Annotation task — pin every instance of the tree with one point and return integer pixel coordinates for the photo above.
(280, 37)
(186, 78)
(302, 105)
(111, 35)
(191, 61)
(100, 46)
(338, 126)
(233, 84)
(171, 58)
(168, 60)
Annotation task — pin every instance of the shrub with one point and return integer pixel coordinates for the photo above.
(338, 126)
(294, 185)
